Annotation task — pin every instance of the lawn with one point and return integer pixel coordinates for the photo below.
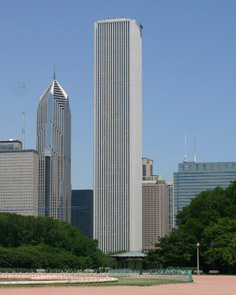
(125, 281)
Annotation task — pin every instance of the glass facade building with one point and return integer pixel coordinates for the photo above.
(82, 211)
(54, 148)
(193, 178)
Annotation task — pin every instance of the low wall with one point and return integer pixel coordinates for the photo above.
(54, 278)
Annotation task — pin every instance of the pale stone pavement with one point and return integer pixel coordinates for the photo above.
(202, 285)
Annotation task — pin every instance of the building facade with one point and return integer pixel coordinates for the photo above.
(193, 178)
(170, 186)
(11, 144)
(54, 148)
(118, 134)
(155, 212)
(82, 211)
(148, 169)
(18, 179)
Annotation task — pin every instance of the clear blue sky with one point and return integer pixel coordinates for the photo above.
(189, 74)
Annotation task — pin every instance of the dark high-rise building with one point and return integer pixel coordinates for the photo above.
(82, 210)
(54, 148)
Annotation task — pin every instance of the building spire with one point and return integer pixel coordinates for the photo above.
(54, 74)
(185, 154)
(23, 118)
(195, 154)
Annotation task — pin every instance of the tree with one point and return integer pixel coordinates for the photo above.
(210, 217)
(28, 241)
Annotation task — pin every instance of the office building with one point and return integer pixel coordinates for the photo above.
(193, 178)
(54, 148)
(11, 144)
(155, 211)
(170, 185)
(148, 169)
(18, 179)
(82, 210)
(118, 134)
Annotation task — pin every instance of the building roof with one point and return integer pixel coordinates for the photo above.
(10, 141)
(18, 151)
(130, 254)
(160, 177)
(55, 89)
(149, 181)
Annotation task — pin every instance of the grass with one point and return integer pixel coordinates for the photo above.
(124, 281)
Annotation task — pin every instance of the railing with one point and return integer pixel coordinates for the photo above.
(167, 274)
(124, 277)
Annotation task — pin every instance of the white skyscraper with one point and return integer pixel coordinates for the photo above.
(118, 134)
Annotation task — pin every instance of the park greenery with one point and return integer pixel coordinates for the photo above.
(42, 242)
(210, 220)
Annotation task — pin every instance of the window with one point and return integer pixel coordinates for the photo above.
(144, 170)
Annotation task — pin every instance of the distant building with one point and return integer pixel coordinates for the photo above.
(11, 144)
(18, 179)
(193, 178)
(169, 184)
(54, 148)
(148, 169)
(118, 134)
(155, 213)
(82, 211)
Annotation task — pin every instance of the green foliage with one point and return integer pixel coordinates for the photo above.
(210, 217)
(39, 242)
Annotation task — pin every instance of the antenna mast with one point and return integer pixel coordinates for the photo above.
(185, 155)
(23, 118)
(195, 155)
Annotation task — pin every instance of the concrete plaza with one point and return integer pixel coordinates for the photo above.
(202, 285)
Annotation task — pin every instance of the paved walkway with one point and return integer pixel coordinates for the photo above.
(203, 285)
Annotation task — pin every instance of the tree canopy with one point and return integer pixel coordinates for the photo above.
(43, 242)
(210, 219)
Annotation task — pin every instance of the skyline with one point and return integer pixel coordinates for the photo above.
(189, 72)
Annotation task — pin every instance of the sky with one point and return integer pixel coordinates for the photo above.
(189, 74)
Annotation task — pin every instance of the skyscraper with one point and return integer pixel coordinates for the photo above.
(82, 210)
(193, 178)
(54, 148)
(155, 211)
(118, 134)
(148, 169)
(170, 186)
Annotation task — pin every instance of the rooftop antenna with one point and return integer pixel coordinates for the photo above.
(54, 74)
(195, 155)
(23, 118)
(185, 156)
